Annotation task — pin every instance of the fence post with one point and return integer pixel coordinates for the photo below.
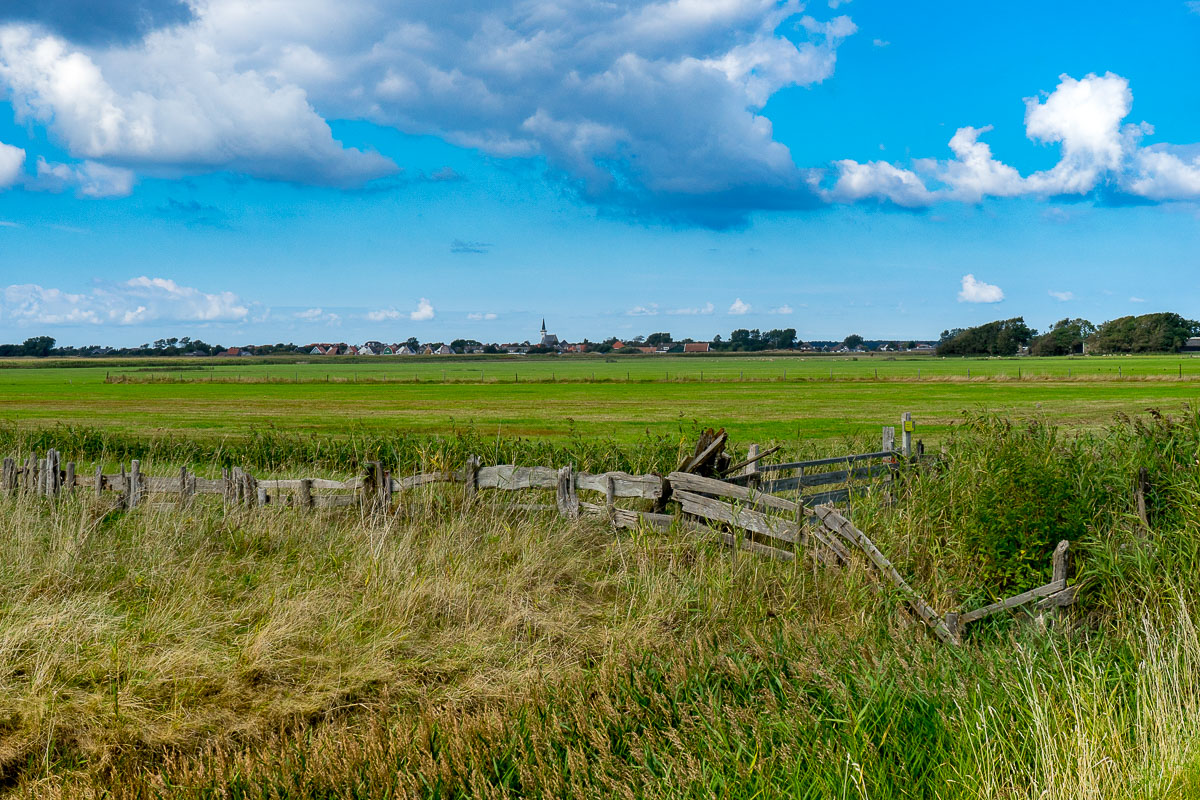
(906, 433)
(889, 439)
(99, 481)
(568, 500)
(29, 476)
(9, 479)
(124, 478)
(471, 478)
(306, 498)
(135, 483)
(69, 483)
(751, 469)
(183, 487)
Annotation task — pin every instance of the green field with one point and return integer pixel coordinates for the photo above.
(755, 397)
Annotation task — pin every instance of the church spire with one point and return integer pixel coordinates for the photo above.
(543, 326)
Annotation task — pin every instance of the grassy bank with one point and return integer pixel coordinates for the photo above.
(465, 650)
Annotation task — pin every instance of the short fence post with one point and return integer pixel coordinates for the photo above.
(99, 481)
(41, 477)
(183, 487)
(9, 479)
(29, 476)
(471, 476)
(906, 428)
(568, 500)
(135, 483)
(889, 439)
(306, 497)
(751, 470)
(69, 483)
(261, 495)
(124, 478)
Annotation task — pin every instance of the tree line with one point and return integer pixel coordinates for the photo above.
(1147, 333)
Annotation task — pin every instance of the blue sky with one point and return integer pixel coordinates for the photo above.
(368, 169)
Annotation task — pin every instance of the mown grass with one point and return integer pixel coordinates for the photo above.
(463, 650)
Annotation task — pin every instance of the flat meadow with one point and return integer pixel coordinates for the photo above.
(755, 397)
(462, 646)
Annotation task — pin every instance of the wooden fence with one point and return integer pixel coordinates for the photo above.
(742, 511)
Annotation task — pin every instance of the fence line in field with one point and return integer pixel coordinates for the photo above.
(742, 510)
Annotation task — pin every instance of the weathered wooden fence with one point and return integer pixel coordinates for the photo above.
(742, 510)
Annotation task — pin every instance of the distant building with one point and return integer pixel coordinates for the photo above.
(444, 350)
(696, 347)
(548, 339)
(1192, 345)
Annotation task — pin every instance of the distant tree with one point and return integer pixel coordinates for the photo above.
(413, 343)
(1065, 337)
(778, 339)
(999, 338)
(38, 346)
(853, 341)
(655, 339)
(1148, 333)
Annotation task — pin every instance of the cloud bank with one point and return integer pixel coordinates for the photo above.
(133, 302)
(1098, 156)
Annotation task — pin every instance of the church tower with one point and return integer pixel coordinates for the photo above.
(543, 327)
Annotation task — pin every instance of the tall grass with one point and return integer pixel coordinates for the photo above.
(465, 650)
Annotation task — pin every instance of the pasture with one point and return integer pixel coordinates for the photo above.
(755, 397)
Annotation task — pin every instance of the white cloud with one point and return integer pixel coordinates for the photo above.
(880, 42)
(738, 308)
(1193, 6)
(476, 315)
(976, 291)
(783, 309)
(320, 315)
(383, 315)
(650, 103)
(12, 161)
(136, 301)
(1137, 299)
(707, 308)
(649, 310)
(89, 179)
(880, 181)
(1084, 117)
(424, 311)
(1062, 297)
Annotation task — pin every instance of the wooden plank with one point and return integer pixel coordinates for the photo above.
(648, 487)
(822, 462)
(752, 457)
(838, 524)
(834, 496)
(334, 500)
(1012, 602)
(701, 458)
(712, 486)
(1059, 599)
(413, 481)
(509, 477)
(825, 478)
(721, 511)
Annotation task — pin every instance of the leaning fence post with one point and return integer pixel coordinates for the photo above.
(906, 427)
(568, 500)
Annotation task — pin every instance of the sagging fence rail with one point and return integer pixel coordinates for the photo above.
(742, 510)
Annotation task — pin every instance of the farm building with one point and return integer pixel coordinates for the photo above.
(1192, 345)
(696, 347)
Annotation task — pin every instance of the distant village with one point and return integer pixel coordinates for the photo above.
(656, 343)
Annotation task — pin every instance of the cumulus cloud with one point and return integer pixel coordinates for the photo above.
(478, 315)
(12, 161)
(1137, 299)
(424, 311)
(649, 310)
(383, 315)
(649, 105)
(976, 291)
(1062, 297)
(738, 308)
(783, 309)
(177, 101)
(1097, 153)
(707, 308)
(136, 301)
